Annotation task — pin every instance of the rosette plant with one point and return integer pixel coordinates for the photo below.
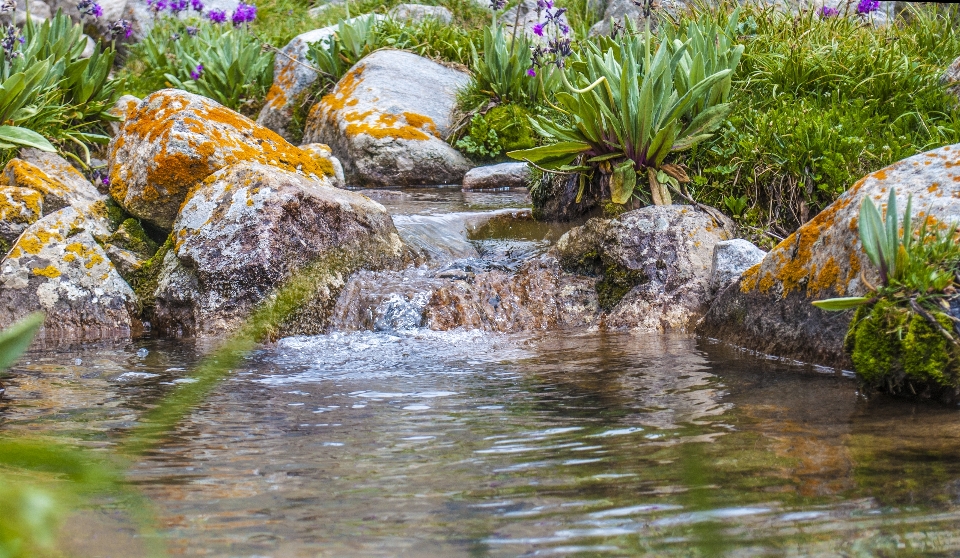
(626, 107)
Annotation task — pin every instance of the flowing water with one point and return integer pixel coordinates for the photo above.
(388, 439)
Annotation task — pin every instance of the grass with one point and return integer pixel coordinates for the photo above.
(821, 103)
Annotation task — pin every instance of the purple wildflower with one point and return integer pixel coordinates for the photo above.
(564, 30)
(10, 41)
(244, 14)
(827, 11)
(157, 5)
(192, 31)
(120, 27)
(545, 4)
(174, 36)
(538, 29)
(197, 72)
(101, 177)
(867, 6)
(217, 16)
(7, 6)
(531, 72)
(89, 7)
(496, 5)
(197, 5)
(177, 6)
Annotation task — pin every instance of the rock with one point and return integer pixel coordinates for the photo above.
(619, 11)
(386, 118)
(730, 259)
(539, 296)
(126, 262)
(528, 17)
(322, 151)
(293, 76)
(174, 140)
(61, 185)
(503, 175)
(769, 308)
(39, 12)
(951, 78)
(248, 228)
(653, 263)
(419, 12)
(19, 208)
(57, 267)
(131, 237)
(89, 48)
(555, 199)
(122, 109)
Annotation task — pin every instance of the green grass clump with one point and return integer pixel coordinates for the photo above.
(819, 103)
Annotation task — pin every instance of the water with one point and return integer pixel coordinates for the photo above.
(386, 439)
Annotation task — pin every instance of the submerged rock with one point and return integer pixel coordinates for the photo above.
(386, 119)
(769, 308)
(58, 268)
(174, 140)
(248, 228)
(730, 259)
(501, 175)
(653, 264)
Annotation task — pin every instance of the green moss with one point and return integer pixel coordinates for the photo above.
(926, 354)
(144, 279)
(512, 125)
(876, 352)
(617, 281)
(131, 236)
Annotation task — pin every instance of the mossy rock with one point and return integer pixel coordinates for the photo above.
(131, 236)
(512, 125)
(145, 278)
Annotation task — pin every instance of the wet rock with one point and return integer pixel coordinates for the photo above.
(58, 268)
(419, 12)
(126, 262)
(502, 175)
(555, 199)
(174, 140)
(386, 118)
(248, 228)
(122, 109)
(61, 185)
(323, 152)
(730, 259)
(19, 208)
(539, 296)
(951, 78)
(653, 264)
(769, 308)
(293, 77)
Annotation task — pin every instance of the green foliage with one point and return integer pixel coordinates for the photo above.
(50, 95)
(823, 102)
(628, 110)
(429, 38)
(502, 128)
(236, 70)
(353, 40)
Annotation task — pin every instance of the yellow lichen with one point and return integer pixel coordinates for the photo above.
(49, 271)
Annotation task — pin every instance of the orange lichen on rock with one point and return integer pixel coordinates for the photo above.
(49, 271)
(423, 122)
(826, 280)
(749, 279)
(27, 175)
(286, 79)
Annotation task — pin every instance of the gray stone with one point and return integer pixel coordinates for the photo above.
(386, 120)
(125, 106)
(19, 208)
(769, 308)
(293, 76)
(730, 259)
(125, 261)
(951, 78)
(58, 268)
(502, 175)
(419, 12)
(528, 17)
(173, 140)
(250, 227)
(89, 48)
(653, 263)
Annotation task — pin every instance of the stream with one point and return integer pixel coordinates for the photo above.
(383, 438)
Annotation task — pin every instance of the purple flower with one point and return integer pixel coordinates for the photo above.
(192, 31)
(89, 7)
(531, 72)
(175, 36)
(101, 177)
(157, 5)
(197, 5)
(120, 27)
(827, 11)
(564, 29)
(548, 4)
(496, 5)
(867, 6)
(7, 6)
(243, 14)
(197, 72)
(538, 29)
(10, 41)
(177, 6)
(217, 16)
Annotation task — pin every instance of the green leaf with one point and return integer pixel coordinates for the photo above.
(25, 137)
(537, 154)
(622, 182)
(844, 303)
(17, 338)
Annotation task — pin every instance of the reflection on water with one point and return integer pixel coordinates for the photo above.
(423, 443)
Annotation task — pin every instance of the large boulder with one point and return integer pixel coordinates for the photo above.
(19, 208)
(769, 308)
(293, 77)
(386, 118)
(951, 78)
(58, 268)
(248, 228)
(174, 140)
(653, 263)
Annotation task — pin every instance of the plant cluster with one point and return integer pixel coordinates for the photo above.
(905, 333)
(51, 96)
(205, 54)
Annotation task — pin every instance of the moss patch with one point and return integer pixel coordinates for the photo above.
(144, 279)
(131, 236)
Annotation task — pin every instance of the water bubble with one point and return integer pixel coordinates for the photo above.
(78, 361)
(142, 353)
